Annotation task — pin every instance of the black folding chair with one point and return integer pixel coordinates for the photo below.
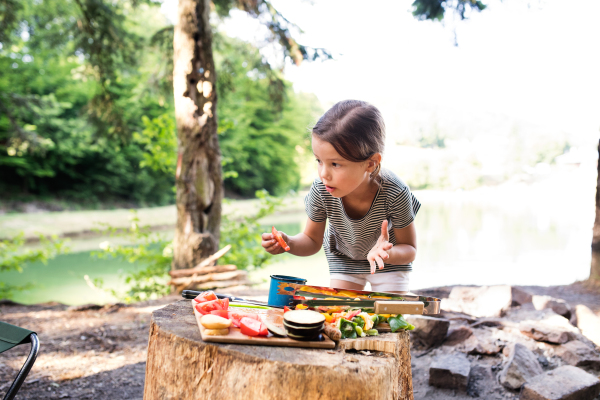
(11, 336)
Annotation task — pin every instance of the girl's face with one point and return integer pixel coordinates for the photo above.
(340, 176)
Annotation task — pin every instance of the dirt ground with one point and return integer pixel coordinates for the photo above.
(100, 352)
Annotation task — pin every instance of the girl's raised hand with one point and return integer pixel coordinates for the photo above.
(270, 243)
(379, 252)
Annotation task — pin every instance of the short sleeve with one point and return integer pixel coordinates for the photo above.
(403, 209)
(313, 204)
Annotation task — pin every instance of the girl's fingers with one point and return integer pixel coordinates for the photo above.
(272, 248)
(372, 266)
(268, 243)
(384, 255)
(379, 262)
(267, 236)
(384, 230)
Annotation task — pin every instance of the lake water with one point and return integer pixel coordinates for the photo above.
(518, 234)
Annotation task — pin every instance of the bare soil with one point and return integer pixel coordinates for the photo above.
(99, 352)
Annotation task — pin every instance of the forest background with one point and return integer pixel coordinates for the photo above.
(68, 138)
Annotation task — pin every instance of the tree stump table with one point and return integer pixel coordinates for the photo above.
(181, 366)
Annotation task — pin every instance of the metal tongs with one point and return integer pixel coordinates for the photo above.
(320, 297)
(191, 294)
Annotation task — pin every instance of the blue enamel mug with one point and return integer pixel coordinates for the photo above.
(281, 299)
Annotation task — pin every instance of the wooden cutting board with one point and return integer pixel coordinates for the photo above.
(236, 337)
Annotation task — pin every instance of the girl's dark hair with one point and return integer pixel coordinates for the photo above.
(355, 129)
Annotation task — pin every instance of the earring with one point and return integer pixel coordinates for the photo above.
(376, 170)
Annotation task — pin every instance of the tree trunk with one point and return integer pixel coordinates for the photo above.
(181, 366)
(595, 267)
(198, 176)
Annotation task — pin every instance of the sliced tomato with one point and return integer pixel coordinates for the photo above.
(286, 309)
(236, 317)
(208, 306)
(252, 327)
(221, 313)
(205, 296)
(263, 330)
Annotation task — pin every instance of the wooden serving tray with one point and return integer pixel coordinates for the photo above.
(236, 337)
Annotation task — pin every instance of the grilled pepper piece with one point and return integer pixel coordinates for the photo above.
(375, 319)
(348, 329)
(360, 332)
(372, 332)
(359, 321)
(279, 239)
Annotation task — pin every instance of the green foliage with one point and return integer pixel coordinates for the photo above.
(280, 28)
(154, 254)
(262, 144)
(159, 141)
(150, 251)
(67, 109)
(435, 9)
(14, 258)
(243, 233)
(434, 138)
(90, 123)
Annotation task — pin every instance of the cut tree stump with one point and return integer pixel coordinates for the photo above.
(181, 366)
(395, 343)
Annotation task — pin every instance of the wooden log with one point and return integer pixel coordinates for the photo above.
(220, 276)
(219, 284)
(178, 273)
(211, 259)
(181, 366)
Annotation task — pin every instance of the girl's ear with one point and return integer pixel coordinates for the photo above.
(374, 161)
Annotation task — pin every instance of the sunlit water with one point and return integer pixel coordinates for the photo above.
(517, 234)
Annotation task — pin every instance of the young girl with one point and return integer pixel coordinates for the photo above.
(371, 236)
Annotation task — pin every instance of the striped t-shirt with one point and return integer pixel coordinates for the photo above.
(347, 241)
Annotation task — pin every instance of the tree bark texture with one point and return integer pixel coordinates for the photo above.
(595, 267)
(181, 366)
(198, 176)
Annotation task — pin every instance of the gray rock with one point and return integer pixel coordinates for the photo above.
(528, 313)
(483, 301)
(429, 331)
(559, 306)
(563, 383)
(458, 335)
(521, 366)
(479, 377)
(457, 316)
(483, 341)
(520, 296)
(578, 354)
(555, 329)
(589, 323)
(450, 371)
